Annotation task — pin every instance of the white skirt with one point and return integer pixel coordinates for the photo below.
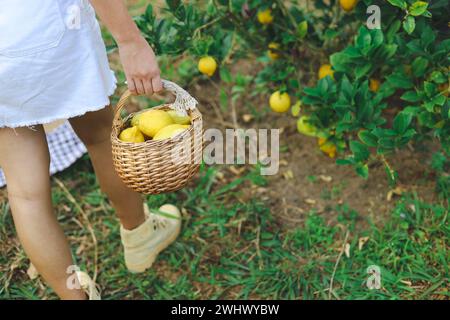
(53, 62)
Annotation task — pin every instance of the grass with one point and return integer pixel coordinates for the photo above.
(232, 249)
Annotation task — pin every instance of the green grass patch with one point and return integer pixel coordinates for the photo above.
(231, 248)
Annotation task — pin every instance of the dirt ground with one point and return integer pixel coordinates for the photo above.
(309, 180)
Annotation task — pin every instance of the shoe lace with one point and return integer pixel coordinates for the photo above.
(159, 222)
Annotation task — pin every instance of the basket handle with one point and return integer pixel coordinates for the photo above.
(183, 100)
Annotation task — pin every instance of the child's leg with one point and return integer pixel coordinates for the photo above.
(94, 129)
(25, 160)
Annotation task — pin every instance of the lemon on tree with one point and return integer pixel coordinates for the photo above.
(280, 102)
(207, 65)
(273, 51)
(374, 85)
(170, 131)
(265, 16)
(295, 110)
(132, 134)
(306, 128)
(327, 147)
(348, 5)
(150, 122)
(325, 70)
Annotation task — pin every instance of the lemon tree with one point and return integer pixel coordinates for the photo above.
(366, 92)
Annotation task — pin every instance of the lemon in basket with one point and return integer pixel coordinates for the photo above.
(179, 119)
(150, 122)
(170, 131)
(135, 120)
(132, 135)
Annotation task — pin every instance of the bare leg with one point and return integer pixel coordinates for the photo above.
(94, 129)
(25, 160)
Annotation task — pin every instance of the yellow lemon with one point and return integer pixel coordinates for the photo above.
(280, 102)
(304, 127)
(348, 5)
(374, 85)
(321, 141)
(325, 70)
(327, 147)
(265, 16)
(179, 119)
(132, 135)
(295, 110)
(150, 122)
(273, 51)
(170, 131)
(207, 65)
(135, 120)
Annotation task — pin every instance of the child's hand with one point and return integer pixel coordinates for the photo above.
(140, 66)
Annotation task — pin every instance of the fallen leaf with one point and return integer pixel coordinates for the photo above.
(261, 190)
(32, 272)
(361, 242)
(288, 175)
(398, 191)
(325, 178)
(80, 249)
(236, 171)
(247, 117)
(347, 250)
(408, 283)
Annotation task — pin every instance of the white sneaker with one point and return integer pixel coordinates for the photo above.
(88, 285)
(143, 244)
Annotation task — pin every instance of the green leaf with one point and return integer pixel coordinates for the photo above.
(438, 77)
(392, 175)
(361, 71)
(302, 29)
(439, 100)
(430, 88)
(346, 88)
(402, 121)
(339, 61)
(399, 80)
(364, 39)
(368, 138)
(410, 96)
(387, 143)
(225, 75)
(363, 171)
(360, 150)
(409, 24)
(399, 3)
(418, 8)
(347, 161)
(419, 66)
(392, 31)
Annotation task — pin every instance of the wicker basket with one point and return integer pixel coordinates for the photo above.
(159, 166)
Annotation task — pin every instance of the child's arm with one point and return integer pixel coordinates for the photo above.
(138, 59)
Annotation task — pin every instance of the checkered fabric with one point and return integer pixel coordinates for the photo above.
(65, 148)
